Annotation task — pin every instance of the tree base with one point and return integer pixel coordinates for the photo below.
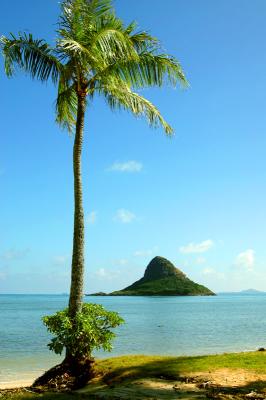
(69, 375)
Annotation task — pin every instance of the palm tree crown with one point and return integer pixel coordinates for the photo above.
(95, 53)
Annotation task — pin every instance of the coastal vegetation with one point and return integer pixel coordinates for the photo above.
(92, 331)
(95, 53)
(162, 278)
(93, 328)
(224, 376)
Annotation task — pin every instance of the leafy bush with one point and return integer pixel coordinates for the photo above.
(91, 329)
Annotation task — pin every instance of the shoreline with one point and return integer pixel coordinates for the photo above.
(18, 384)
(30, 378)
(223, 370)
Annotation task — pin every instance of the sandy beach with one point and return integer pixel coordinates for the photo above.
(223, 384)
(17, 383)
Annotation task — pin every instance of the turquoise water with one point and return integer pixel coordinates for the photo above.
(154, 325)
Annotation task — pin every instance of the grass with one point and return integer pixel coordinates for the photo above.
(117, 369)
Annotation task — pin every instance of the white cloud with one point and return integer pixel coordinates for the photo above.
(128, 166)
(212, 273)
(14, 254)
(124, 216)
(197, 247)
(208, 271)
(61, 259)
(200, 260)
(3, 276)
(101, 273)
(91, 217)
(122, 261)
(145, 253)
(107, 275)
(246, 259)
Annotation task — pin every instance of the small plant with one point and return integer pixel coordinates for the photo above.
(91, 329)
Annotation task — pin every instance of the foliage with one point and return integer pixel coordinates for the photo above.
(173, 286)
(95, 53)
(91, 329)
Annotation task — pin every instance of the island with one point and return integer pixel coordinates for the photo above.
(251, 291)
(161, 278)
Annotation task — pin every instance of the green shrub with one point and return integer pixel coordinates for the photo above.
(91, 329)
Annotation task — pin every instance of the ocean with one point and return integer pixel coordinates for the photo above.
(154, 325)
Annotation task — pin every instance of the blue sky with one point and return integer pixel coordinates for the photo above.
(198, 199)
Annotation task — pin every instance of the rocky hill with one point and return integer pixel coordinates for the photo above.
(162, 278)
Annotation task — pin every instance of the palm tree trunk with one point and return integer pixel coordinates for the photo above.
(77, 271)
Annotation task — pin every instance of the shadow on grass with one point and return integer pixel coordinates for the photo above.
(140, 378)
(168, 368)
(255, 390)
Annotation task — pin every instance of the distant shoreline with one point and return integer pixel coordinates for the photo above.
(242, 292)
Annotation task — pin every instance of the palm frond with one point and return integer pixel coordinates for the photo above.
(82, 13)
(99, 8)
(68, 48)
(66, 105)
(145, 71)
(143, 41)
(153, 66)
(34, 56)
(158, 69)
(119, 96)
(110, 42)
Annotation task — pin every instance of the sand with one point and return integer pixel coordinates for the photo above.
(16, 384)
(221, 384)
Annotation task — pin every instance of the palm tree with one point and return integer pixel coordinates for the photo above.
(94, 54)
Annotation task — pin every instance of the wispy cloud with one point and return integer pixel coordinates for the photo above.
(107, 275)
(61, 259)
(201, 247)
(145, 253)
(122, 261)
(3, 275)
(101, 273)
(213, 273)
(246, 259)
(200, 260)
(14, 254)
(128, 166)
(91, 217)
(124, 216)
(208, 271)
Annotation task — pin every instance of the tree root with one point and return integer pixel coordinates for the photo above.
(67, 376)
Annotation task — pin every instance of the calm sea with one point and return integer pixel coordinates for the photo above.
(154, 325)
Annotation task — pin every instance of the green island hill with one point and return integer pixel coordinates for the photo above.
(162, 278)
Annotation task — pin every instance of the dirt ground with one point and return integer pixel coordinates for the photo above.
(221, 384)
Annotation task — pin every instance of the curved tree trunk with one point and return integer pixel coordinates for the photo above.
(77, 270)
